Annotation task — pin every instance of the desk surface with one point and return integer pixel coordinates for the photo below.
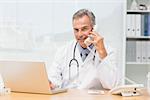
(72, 95)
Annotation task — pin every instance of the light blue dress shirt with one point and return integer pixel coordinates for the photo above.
(84, 51)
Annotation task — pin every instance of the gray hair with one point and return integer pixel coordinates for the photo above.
(82, 12)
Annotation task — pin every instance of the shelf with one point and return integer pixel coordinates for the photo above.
(138, 37)
(137, 11)
(142, 63)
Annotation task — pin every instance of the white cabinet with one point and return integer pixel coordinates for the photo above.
(137, 42)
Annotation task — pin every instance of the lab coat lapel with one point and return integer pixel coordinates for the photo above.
(78, 57)
(89, 57)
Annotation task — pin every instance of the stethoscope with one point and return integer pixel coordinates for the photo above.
(76, 61)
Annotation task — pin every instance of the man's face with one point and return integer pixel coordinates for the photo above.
(82, 28)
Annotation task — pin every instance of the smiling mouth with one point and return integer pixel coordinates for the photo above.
(82, 38)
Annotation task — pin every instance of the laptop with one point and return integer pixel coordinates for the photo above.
(26, 76)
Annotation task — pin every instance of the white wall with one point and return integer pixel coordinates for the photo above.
(47, 24)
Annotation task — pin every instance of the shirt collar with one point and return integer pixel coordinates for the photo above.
(81, 48)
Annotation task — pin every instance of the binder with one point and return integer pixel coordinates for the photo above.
(138, 24)
(128, 25)
(148, 51)
(148, 26)
(138, 51)
(131, 51)
(144, 51)
(142, 25)
(128, 50)
(133, 25)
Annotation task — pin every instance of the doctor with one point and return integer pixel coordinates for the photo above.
(80, 66)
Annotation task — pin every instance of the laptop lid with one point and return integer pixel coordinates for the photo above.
(23, 76)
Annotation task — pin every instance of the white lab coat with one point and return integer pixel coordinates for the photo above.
(93, 74)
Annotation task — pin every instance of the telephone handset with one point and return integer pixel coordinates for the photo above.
(3, 90)
(1, 82)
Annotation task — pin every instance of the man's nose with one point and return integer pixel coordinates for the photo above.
(80, 34)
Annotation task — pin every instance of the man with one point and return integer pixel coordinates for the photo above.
(80, 66)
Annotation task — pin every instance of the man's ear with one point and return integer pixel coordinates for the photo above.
(94, 28)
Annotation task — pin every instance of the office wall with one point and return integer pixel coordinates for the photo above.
(34, 29)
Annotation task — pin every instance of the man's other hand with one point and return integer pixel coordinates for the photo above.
(51, 85)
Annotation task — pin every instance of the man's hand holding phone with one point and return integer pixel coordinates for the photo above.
(97, 40)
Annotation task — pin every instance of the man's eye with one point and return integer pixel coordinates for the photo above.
(76, 30)
(84, 29)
